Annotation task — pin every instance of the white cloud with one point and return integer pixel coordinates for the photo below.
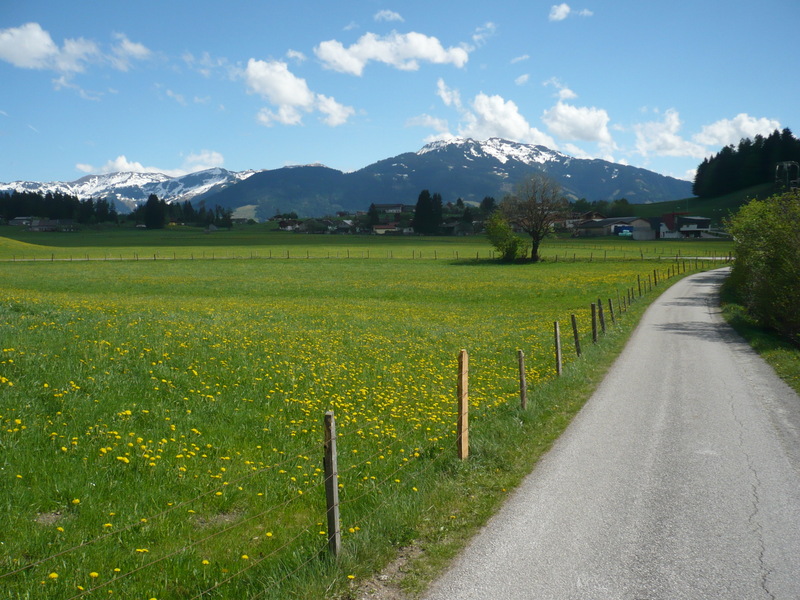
(578, 123)
(493, 116)
(388, 15)
(486, 117)
(559, 12)
(521, 58)
(206, 65)
(125, 51)
(179, 98)
(449, 96)
(336, 114)
(731, 131)
(402, 51)
(31, 47)
(563, 93)
(661, 138)
(205, 159)
(63, 82)
(273, 81)
(522, 79)
(483, 33)
(296, 55)
(429, 122)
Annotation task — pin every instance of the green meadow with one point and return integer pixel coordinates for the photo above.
(161, 408)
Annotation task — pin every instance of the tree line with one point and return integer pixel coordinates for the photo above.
(56, 206)
(154, 213)
(750, 163)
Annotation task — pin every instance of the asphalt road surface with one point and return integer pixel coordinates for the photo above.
(680, 478)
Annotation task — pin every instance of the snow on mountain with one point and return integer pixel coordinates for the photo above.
(130, 189)
(501, 150)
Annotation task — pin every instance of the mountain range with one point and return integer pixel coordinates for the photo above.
(457, 168)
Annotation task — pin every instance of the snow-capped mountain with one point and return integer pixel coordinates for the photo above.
(456, 168)
(130, 189)
(501, 150)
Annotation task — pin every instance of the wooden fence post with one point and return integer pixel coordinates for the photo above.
(576, 336)
(655, 277)
(602, 315)
(332, 485)
(463, 405)
(523, 384)
(557, 334)
(611, 310)
(639, 281)
(594, 323)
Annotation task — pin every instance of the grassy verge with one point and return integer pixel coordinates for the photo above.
(780, 354)
(503, 451)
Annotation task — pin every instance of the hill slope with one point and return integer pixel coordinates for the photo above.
(460, 168)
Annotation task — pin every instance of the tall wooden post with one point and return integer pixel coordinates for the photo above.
(602, 315)
(611, 310)
(639, 281)
(523, 384)
(463, 405)
(557, 334)
(594, 323)
(332, 485)
(655, 277)
(576, 336)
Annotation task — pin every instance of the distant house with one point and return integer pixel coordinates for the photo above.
(394, 209)
(634, 227)
(383, 229)
(576, 219)
(52, 225)
(681, 225)
(288, 225)
(21, 221)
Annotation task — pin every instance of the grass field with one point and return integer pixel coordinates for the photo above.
(162, 419)
(260, 242)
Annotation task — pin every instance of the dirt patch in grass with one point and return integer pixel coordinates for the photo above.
(386, 584)
(50, 518)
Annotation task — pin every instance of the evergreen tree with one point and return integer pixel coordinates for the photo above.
(154, 213)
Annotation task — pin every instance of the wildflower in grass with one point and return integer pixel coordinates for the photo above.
(204, 561)
(53, 575)
(76, 501)
(142, 550)
(94, 575)
(245, 557)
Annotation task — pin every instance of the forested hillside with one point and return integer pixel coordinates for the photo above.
(750, 163)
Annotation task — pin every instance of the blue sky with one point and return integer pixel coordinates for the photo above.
(176, 86)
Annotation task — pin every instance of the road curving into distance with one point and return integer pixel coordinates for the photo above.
(679, 479)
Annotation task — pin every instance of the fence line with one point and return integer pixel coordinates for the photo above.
(330, 480)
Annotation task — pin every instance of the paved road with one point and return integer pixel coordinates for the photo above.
(680, 478)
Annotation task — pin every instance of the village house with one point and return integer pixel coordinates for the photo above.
(636, 228)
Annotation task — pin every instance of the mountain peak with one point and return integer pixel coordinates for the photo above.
(500, 149)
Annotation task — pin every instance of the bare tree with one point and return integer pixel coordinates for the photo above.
(534, 207)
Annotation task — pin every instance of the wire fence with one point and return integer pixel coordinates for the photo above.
(370, 499)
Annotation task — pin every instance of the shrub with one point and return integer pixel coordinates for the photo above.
(766, 274)
(502, 236)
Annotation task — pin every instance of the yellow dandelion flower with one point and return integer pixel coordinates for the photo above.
(53, 575)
